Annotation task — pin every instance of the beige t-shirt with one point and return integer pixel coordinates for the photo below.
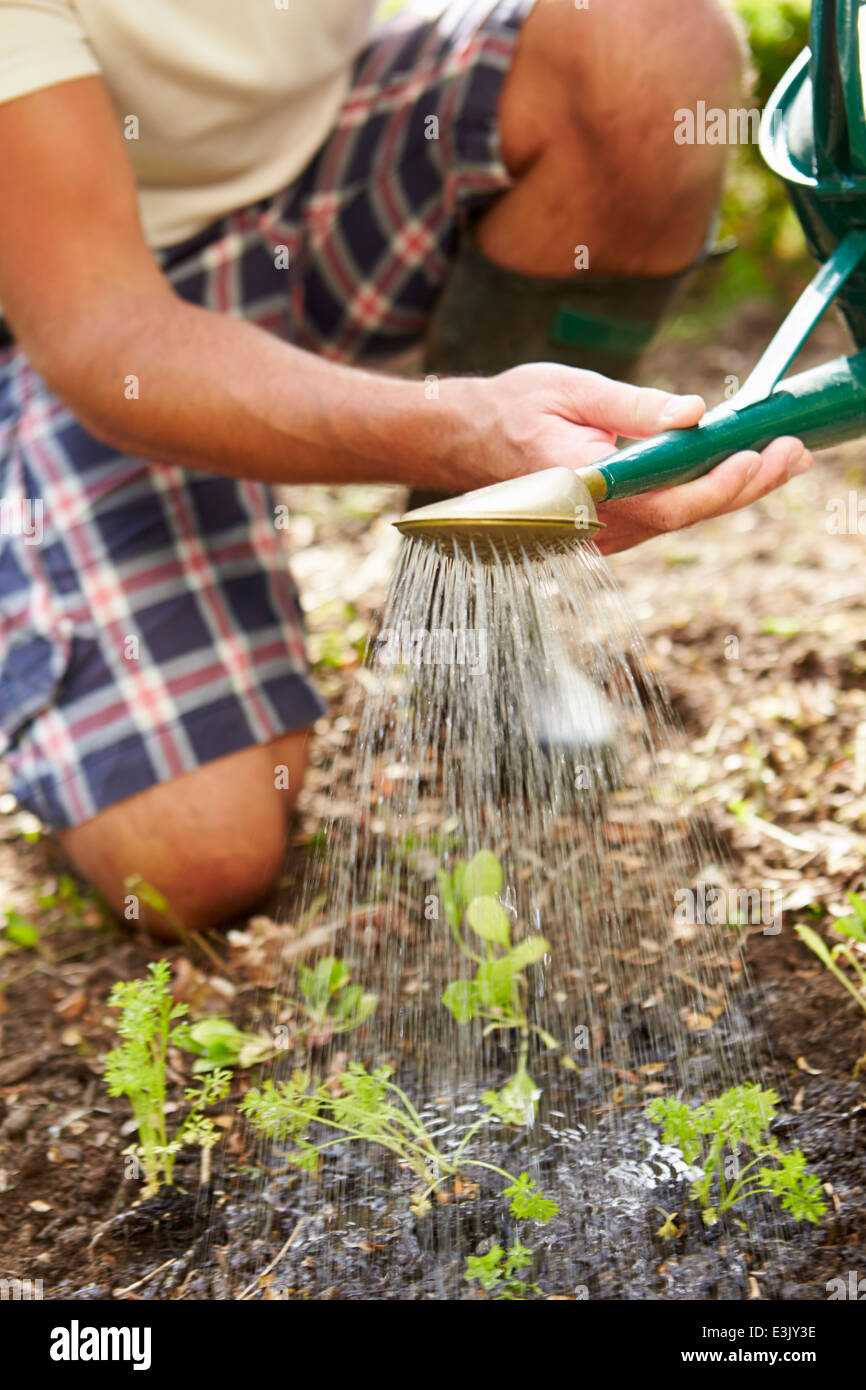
(222, 102)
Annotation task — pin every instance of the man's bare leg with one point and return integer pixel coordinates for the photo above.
(589, 252)
(212, 842)
(587, 124)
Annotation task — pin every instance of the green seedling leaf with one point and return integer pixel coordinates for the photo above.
(458, 882)
(488, 918)
(19, 930)
(854, 926)
(678, 1125)
(829, 958)
(482, 877)
(450, 901)
(326, 978)
(494, 983)
(146, 893)
(799, 1191)
(461, 999)
(487, 1269)
(516, 1102)
(330, 1002)
(372, 1109)
(217, 1042)
(497, 1271)
(527, 1203)
(810, 938)
(137, 1069)
(529, 951)
(780, 626)
(353, 1005)
(738, 1123)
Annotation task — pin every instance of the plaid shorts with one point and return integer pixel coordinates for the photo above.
(149, 622)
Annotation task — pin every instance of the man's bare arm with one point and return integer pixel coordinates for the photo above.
(89, 304)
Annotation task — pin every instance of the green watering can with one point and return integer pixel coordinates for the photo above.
(813, 136)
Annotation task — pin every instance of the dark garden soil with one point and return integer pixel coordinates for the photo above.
(757, 625)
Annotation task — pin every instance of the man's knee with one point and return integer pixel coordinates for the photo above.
(210, 843)
(611, 77)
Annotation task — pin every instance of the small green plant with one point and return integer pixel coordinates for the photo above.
(63, 906)
(138, 888)
(713, 1136)
(137, 1069)
(497, 1271)
(851, 951)
(496, 993)
(332, 1004)
(370, 1107)
(217, 1042)
(19, 931)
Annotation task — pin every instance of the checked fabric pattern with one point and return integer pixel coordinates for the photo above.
(155, 625)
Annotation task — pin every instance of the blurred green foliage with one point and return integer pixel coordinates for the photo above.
(771, 260)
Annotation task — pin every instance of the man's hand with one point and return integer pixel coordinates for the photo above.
(545, 416)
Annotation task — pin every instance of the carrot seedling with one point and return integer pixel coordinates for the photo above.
(497, 1271)
(373, 1109)
(137, 1069)
(728, 1140)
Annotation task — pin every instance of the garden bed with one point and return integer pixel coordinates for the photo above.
(772, 731)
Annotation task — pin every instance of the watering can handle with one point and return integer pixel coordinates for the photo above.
(824, 406)
(839, 118)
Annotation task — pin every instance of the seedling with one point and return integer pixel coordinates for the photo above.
(20, 932)
(218, 1043)
(63, 906)
(137, 1069)
(851, 951)
(138, 888)
(471, 898)
(497, 1271)
(372, 1108)
(712, 1138)
(331, 1004)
